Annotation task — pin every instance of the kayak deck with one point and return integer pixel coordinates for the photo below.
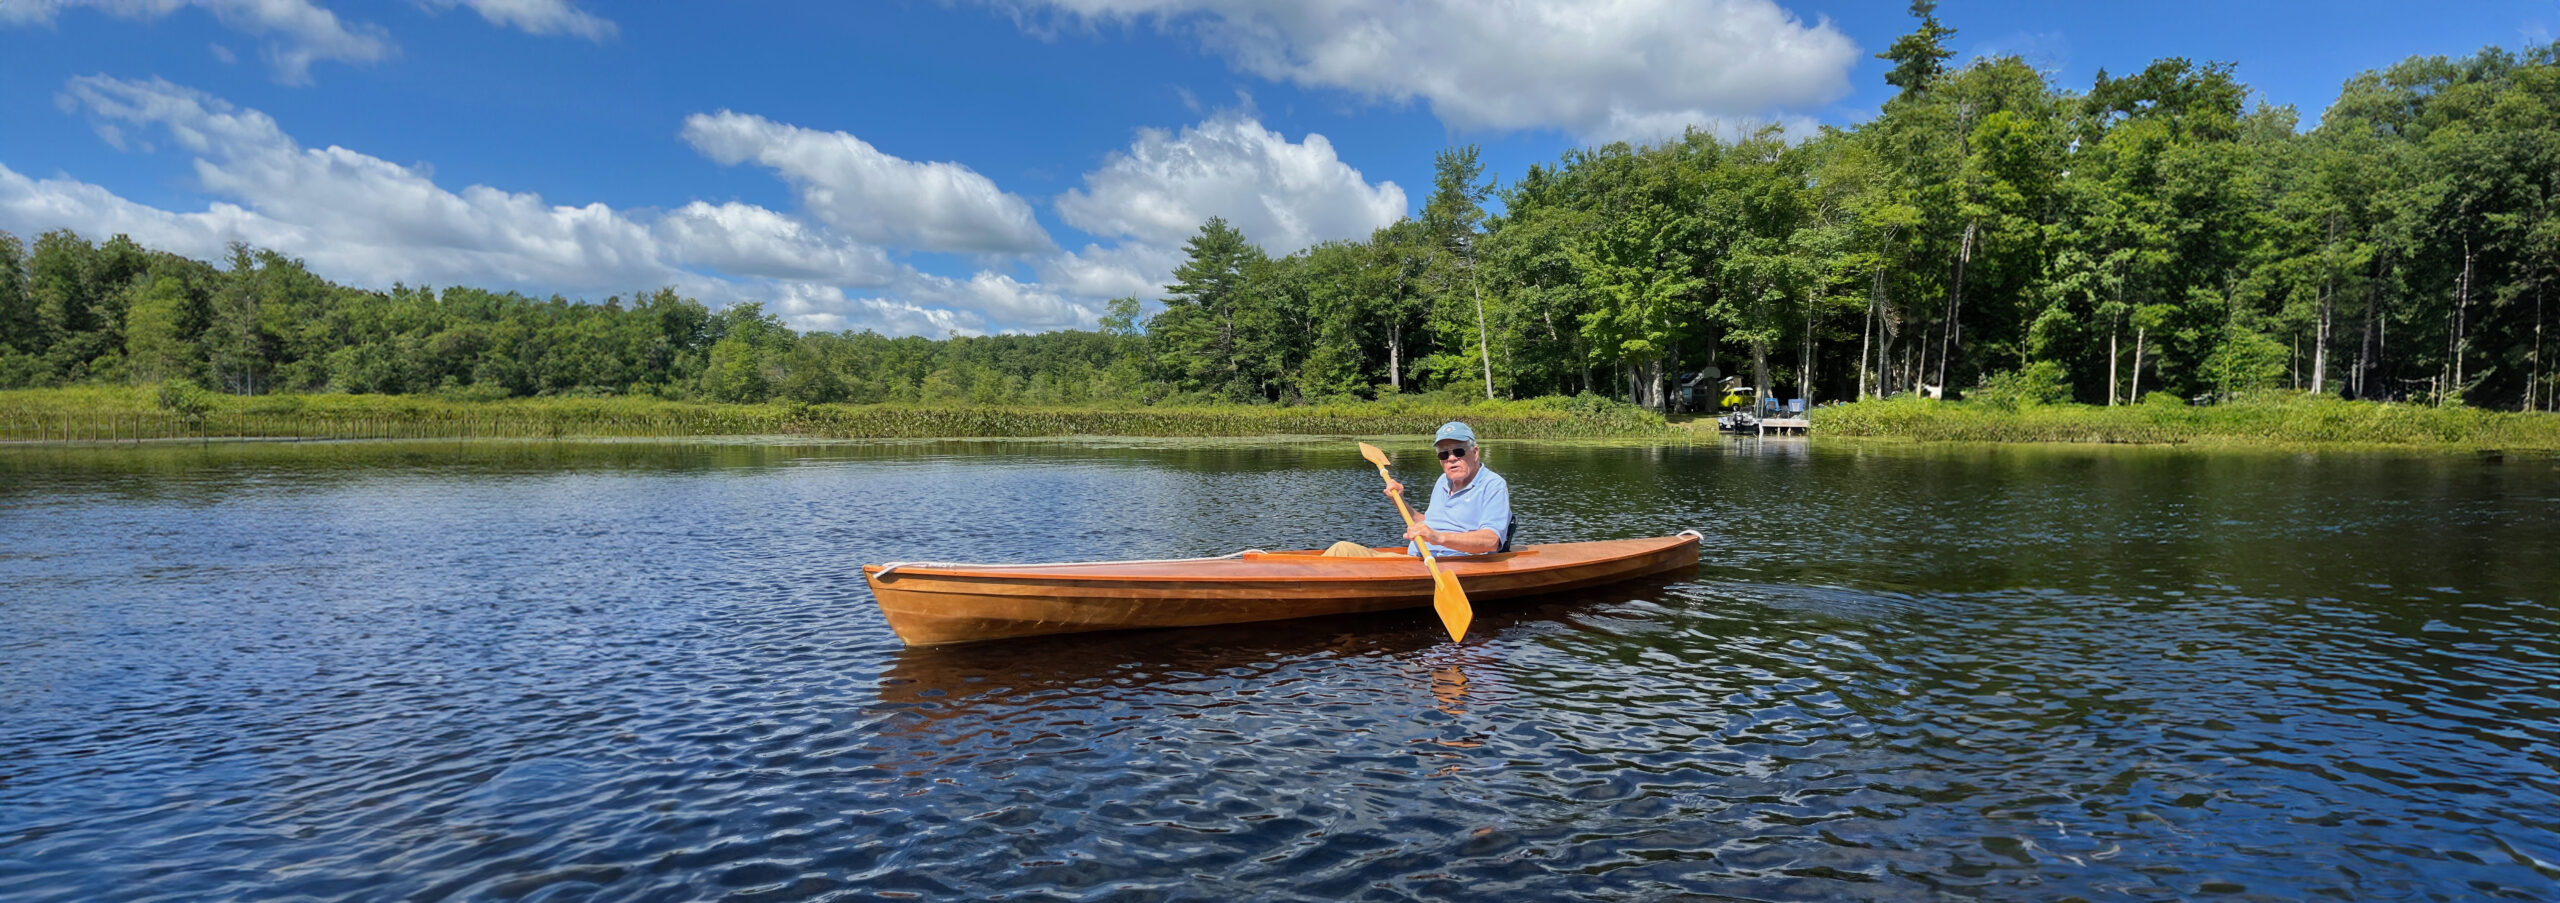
(930, 604)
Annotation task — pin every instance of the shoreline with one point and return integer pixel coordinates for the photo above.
(132, 417)
(130, 414)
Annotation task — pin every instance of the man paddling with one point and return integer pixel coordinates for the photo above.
(1470, 510)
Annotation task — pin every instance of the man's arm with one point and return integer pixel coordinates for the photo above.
(1472, 542)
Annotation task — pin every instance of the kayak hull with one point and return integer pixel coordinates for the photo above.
(934, 604)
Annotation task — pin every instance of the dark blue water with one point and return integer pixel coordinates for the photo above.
(652, 672)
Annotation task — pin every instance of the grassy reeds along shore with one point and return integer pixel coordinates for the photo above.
(124, 414)
(2268, 419)
(132, 414)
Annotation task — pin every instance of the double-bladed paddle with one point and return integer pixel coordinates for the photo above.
(1446, 597)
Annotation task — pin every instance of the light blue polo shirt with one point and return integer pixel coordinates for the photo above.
(1484, 505)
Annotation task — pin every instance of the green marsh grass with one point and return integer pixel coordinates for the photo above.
(2270, 419)
(120, 414)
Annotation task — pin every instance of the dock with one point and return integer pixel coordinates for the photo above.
(1782, 424)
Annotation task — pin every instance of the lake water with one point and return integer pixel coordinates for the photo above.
(652, 672)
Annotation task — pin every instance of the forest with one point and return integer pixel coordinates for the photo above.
(1988, 233)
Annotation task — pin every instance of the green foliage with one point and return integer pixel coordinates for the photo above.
(159, 324)
(99, 413)
(735, 372)
(2276, 418)
(475, 392)
(1216, 328)
(183, 398)
(19, 332)
(1588, 406)
(1920, 56)
(1122, 319)
(2245, 360)
(2038, 383)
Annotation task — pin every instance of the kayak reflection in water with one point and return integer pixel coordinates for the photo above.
(1470, 510)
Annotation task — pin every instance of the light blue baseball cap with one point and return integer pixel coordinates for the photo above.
(1455, 430)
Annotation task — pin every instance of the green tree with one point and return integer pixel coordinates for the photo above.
(238, 346)
(1530, 270)
(1121, 318)
(745, 361)
(1647, 259)
(1451, 218)
(158, 336)
(62, 283)
(1212, 333)
(21, 330)
(1919, 57)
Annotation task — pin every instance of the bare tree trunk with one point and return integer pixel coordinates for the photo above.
(1955, 305)
(1759, 372)
(2533, 386)
(2320, 342)
(2364, 354)
(1670, 393)
(1866, 332)
(2112, 384)
(2365, 349)
(1804, 376)
(1483, 346)
(2139, 333)
(1395, 356)
(2461, 311)
(1885, 334)
(1550, 318)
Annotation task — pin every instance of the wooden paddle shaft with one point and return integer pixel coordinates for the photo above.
(1408, 521)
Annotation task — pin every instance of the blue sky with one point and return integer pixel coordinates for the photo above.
(965, 166)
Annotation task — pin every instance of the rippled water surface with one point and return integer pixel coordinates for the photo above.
(652, 672)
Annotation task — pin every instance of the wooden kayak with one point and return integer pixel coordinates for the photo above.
(935, 603)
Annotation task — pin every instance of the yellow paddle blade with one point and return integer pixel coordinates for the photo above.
(1451, 603)
(1372, 453)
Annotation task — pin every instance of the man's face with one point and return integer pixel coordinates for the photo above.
(1458, 467)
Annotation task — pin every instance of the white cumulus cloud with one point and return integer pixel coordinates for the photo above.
(1018, 305)
(1126, 270)
(1154, 196)
(366, 221)
(872, 195)
(1283, 196)
(1622, 69)
(826, 308)
(29, 205)
(379, 218)
(747, 240)
(541, 17)
(298, 33)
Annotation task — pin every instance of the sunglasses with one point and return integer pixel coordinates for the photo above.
(1448, 453)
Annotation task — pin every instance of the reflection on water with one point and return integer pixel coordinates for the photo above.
(644, 671)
